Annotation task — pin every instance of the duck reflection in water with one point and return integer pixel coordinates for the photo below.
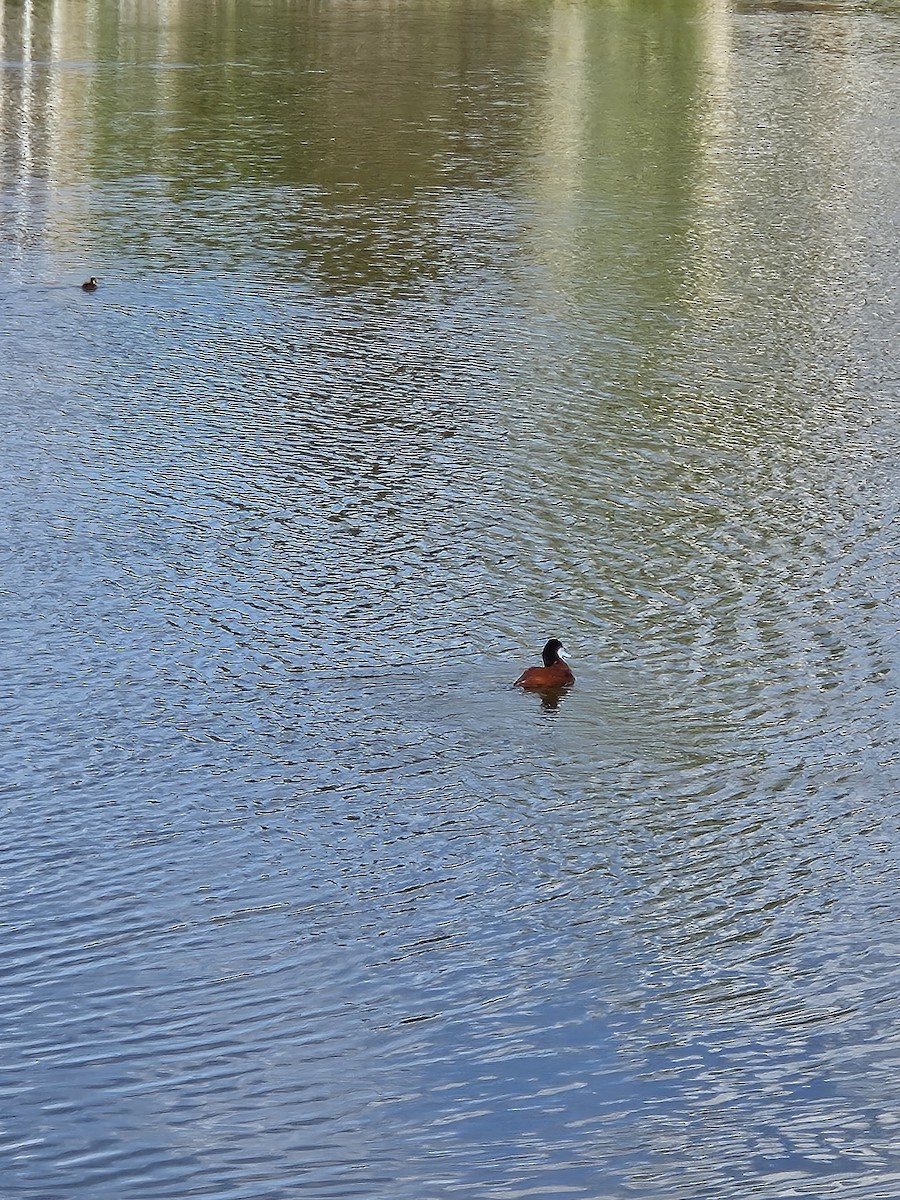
(552, 679)
(551, 698)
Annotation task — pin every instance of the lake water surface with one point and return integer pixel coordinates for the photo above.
(427, 330)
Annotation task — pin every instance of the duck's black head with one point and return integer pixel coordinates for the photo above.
(550, 653)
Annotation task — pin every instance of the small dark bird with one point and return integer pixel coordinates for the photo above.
(90, 285)
(553, 674)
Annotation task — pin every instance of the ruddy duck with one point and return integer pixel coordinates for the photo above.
(553, 674)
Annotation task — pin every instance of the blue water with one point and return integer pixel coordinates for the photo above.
(424, 334)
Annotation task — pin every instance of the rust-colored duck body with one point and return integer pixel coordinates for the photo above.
(555, 673)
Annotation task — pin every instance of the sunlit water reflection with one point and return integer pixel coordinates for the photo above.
(423, 334)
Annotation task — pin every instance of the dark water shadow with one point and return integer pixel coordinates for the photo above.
(793, 6)
(550, 698)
